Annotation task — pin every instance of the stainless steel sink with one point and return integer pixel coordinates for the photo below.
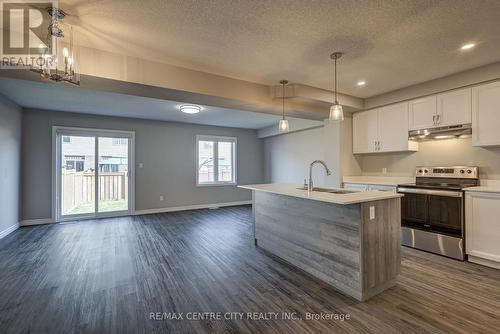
(331, 191)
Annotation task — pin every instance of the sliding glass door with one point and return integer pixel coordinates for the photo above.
(93, 173)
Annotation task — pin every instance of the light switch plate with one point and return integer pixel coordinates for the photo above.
(141, 165)
(161, 198)
(372, 212)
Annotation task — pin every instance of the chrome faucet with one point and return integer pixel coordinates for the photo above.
(328, 172)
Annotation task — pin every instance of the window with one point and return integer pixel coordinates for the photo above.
(216, 160)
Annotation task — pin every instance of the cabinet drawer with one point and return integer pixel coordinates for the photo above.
(356, 186)
(383, 188)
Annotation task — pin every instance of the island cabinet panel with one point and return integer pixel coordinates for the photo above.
(325, 240)
(381, 245)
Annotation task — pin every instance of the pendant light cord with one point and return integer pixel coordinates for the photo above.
(335, 79)
(283, 100)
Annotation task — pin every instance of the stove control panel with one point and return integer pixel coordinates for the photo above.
(461, 172)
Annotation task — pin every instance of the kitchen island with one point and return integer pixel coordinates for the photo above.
(350, 240)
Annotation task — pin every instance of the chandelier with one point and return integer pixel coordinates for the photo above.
(57, 62)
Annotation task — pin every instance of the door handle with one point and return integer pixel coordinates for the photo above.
(434, 192)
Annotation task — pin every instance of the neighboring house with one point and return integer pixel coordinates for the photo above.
(78, 154)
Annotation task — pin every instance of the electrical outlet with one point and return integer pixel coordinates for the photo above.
(372, 212)
(161, 198)
(384, 170)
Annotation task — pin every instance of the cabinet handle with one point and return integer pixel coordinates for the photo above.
(434, 119)
(438, 119)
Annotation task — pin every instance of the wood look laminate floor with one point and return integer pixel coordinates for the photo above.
(108, 276)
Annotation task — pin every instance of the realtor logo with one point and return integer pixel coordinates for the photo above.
(25, 37)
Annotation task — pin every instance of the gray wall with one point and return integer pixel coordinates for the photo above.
(448, 152)
(166, 149)
(453, 81)
(287, 157)
(10, 156)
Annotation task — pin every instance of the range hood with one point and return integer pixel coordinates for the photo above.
(444, 132)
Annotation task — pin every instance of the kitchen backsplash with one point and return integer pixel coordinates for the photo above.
(450, 152)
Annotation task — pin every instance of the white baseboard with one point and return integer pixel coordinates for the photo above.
(484, 262)
(31, 222)
(190, 207)
(8, 230)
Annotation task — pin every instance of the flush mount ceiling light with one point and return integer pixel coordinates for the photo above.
(336, 111)
(361, 83)
(468, 46)
(190, 109)
(283, 125)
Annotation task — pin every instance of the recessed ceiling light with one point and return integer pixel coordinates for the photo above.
(361, 83)
(468, 46)
(190, 109)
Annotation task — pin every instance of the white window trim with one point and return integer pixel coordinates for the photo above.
(217, 139)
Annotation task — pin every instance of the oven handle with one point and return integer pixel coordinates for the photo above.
(430, 192)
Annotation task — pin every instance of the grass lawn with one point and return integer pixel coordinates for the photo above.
(104, 206)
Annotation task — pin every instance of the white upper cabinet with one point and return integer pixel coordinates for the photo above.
(486, 115)
(454, 108)
(382, 130)
(423, 113)
(365, 131)
(450, 108)
(393, 128)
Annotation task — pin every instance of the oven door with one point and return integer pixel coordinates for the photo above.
(432, 210)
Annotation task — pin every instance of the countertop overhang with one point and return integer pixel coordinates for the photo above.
(350, 198)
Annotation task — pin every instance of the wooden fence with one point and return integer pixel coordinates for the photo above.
(78, 188)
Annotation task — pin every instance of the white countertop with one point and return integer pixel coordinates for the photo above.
(379, 180)
(487, 186)
(351, 198)
(483, 189)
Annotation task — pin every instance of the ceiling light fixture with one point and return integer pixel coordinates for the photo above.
(361, 83)
(190, 109)
(48, 63)
(468, 46)
(336, 111)
(283, 125)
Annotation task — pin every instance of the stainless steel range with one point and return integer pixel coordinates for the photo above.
(432, 210)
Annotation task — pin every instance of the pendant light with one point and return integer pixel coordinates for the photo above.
(336, 111)
(283, 125)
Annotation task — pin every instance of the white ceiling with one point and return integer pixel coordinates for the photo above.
(388, 43)
(62, 97)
